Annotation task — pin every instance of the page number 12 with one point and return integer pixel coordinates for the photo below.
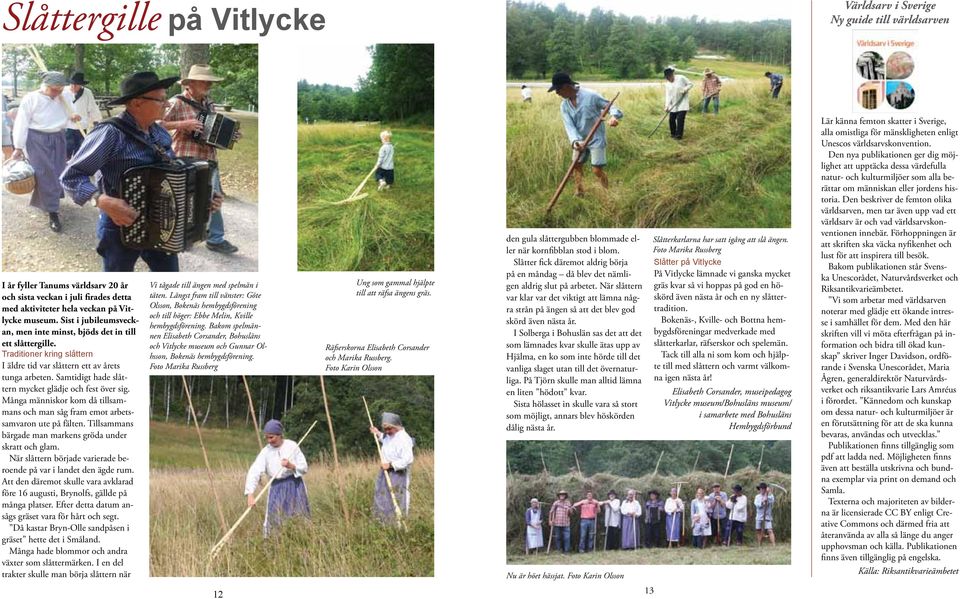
(218, 595)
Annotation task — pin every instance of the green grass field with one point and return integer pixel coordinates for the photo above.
(732, 170)
(184, 524)
(747, 555)
(386, 231)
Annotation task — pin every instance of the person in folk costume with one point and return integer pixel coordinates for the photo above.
(700, 519)
(630, 510)
(764, 504)
(717, 510)
(534, 521)
(287, 496)
(737, 504)
(182, 118)
(611, 521)
(95, 174)
(653, 511)
(39, 136)
(673, 507)
(397, 447)
(84, 104)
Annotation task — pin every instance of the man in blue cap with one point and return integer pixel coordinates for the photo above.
(579, 110)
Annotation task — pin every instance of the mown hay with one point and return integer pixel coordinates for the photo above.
(522, 487)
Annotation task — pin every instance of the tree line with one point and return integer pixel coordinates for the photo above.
(106, 65)
(639, 458)
(541, 41)
(398, 86)
(222, 402)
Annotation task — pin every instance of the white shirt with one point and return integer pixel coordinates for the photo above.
(86, 107)
(41, 112)
(671, 505)
(738, 509)
(526, 93)
(268, 462)
(630, 508)
(385, 157)
(612, 515)
(398, 449)
(675, 90)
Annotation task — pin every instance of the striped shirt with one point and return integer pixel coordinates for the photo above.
(106, 154)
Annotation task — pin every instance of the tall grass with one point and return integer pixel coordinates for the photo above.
(184, 524)
(732, 170)
(386, 231)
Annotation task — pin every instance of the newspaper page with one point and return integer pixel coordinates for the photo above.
(693, 329)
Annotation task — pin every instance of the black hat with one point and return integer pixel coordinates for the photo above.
(559, 80)
(612, 492)
(139, 84)
(761, 486)
(667, 71)
(737, 488)
(78, 79)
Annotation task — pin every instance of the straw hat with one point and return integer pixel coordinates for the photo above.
(201, 72)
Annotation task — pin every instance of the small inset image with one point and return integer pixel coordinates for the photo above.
(900, 94)
(899, 65)
(870, 65)
(869, 94)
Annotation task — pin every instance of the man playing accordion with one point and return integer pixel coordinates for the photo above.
(134, 139)
(182, 119)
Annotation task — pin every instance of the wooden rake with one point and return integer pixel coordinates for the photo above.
(215, 550)
(356, 195)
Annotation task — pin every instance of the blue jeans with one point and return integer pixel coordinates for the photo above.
(215, 229)
(563, 538)
(119, 258)
(588, 528)
(716, 104)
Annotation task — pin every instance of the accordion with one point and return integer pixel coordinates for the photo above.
(218, 130)
(173, 199)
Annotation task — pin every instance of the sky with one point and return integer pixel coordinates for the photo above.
(351, 63)
(712, 10)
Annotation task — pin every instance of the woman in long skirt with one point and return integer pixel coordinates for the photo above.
(534, 520)
(397, 448)
(630, 512)
(287, 496)
(700, 518)
(39, 134)
(673, 507)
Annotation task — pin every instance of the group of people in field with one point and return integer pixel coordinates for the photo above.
(581, 109)
(629, 524)
(75, 152)
(283, 464)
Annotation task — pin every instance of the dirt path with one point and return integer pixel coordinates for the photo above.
(30, 246)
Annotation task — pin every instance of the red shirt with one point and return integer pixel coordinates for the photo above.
(588, 508)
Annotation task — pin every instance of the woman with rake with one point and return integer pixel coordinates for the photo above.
(288, 495)
(397, 452)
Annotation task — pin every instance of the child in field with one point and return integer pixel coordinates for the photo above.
(385, 162)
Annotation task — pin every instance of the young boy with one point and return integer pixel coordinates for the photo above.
(385, 162)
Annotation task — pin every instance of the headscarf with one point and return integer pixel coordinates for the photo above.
(273, 427)
(54, 78)
(390, 419)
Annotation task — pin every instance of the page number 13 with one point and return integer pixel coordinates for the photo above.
(648, 590)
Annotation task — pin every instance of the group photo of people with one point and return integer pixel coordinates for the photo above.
(670, 502)
(291, 475)
(647, 120)
(130, 157)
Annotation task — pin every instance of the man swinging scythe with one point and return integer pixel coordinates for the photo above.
(583, 111)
